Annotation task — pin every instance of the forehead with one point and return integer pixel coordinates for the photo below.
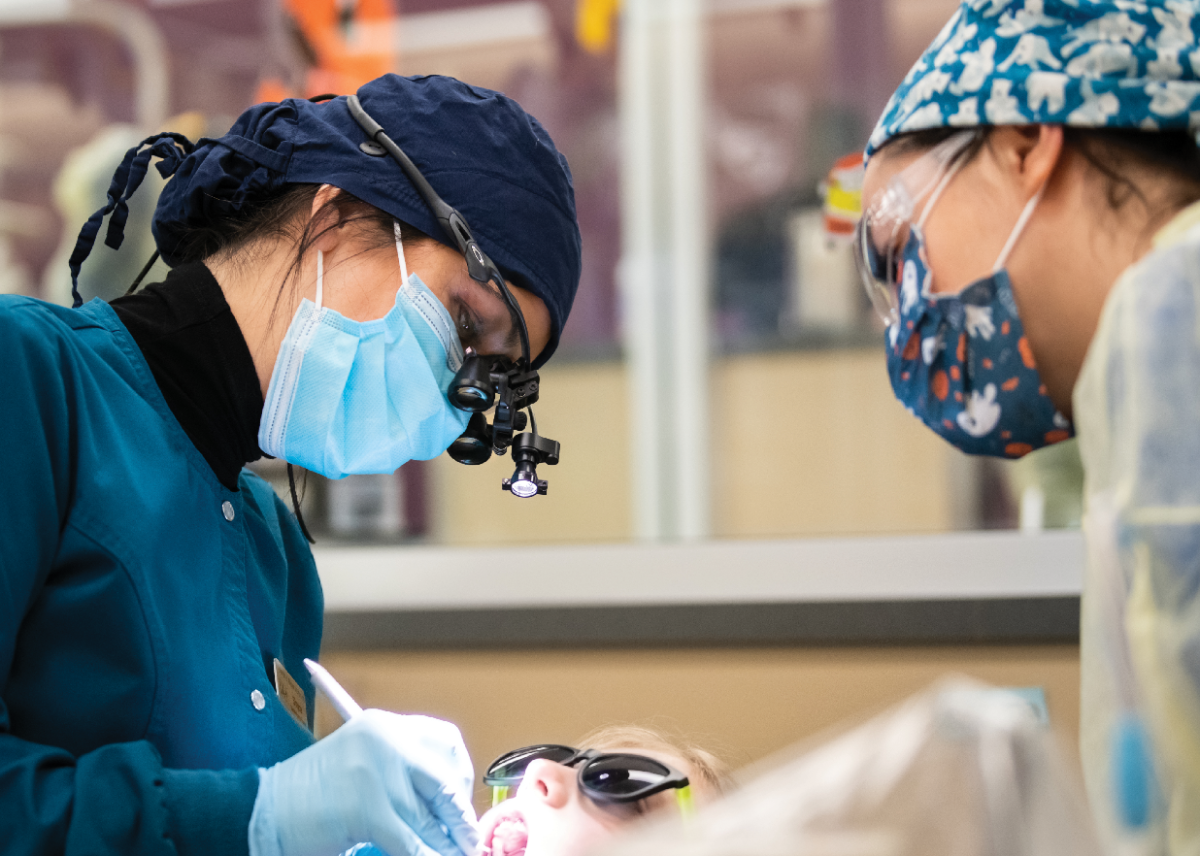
(658, 754)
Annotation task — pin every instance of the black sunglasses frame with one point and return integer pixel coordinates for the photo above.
(569, 756)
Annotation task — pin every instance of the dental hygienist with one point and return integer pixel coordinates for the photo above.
(1031, 233)
(157, 600)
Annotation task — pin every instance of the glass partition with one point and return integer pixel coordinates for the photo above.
(802, 436)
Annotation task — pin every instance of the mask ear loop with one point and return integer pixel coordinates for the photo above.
(400, 252)
(1026, 213)
(933, 198)
(320, 277)
(938, 190)
(296, 498)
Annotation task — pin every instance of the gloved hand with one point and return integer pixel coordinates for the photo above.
(401, 782)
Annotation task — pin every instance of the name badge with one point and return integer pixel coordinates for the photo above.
(290, 695)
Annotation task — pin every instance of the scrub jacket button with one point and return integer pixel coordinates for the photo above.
(256, 698)
(227, 510)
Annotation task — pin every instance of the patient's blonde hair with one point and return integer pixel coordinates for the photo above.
(706, 766)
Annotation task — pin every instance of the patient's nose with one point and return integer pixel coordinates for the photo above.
(548, 782)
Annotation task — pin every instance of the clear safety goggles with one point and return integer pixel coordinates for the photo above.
(604, 777)
(886, 221)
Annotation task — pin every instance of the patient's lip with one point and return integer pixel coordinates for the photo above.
(505, 831)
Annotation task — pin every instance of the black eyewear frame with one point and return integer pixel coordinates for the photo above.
(483, 380)
(605, 777)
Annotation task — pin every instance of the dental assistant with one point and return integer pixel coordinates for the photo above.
(156, 599)
(1031, 235)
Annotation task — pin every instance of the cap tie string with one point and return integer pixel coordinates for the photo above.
(171, 148)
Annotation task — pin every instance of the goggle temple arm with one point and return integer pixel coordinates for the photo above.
(685, 801)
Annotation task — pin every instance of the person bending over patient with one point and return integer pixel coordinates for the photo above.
(567, 799)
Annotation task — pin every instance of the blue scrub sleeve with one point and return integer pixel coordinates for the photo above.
(117, 799)
(208, 811)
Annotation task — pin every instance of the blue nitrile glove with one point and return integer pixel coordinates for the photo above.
(401, 782)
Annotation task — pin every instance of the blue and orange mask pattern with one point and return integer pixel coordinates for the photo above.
(959, 362)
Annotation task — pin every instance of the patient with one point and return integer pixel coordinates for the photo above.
(567, 800)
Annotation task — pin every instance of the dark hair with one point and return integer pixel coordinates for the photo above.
(1116, 153)
(278, 215)
(921, 141)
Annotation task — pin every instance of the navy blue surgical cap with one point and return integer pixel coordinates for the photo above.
(479, 150)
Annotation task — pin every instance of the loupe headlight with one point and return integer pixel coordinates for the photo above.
(525, 482)
(529, 450)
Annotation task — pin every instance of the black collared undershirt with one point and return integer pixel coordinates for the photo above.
(201, 362)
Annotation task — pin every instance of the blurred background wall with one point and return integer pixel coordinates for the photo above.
(807, 442)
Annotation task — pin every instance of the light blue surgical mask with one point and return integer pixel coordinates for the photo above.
(350, 397)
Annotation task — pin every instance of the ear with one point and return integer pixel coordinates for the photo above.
(324, 219)
(1028, 154)
(548, 783)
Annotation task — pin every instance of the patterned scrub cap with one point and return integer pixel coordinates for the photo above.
(1091, 63)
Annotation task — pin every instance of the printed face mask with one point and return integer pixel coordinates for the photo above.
(351, 397)
(961, 362)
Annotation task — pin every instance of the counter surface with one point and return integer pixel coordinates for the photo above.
(965, 587)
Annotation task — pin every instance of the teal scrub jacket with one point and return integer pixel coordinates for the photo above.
(140, 605)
